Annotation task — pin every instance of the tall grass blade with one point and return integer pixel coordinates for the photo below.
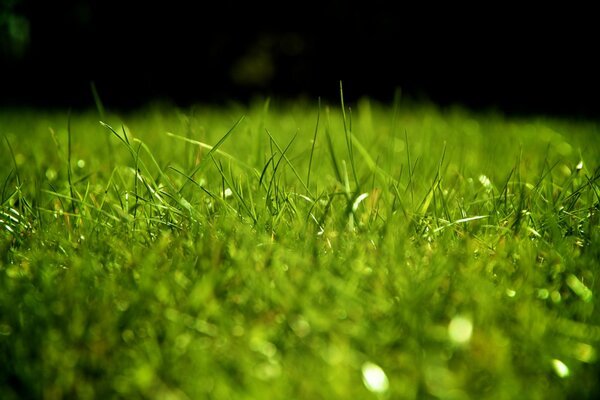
(97, 100)
(348, 134)
(314, 142)
(283, 154)
(69, 170)
(234, 190)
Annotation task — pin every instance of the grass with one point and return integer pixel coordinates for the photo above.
(298, 251)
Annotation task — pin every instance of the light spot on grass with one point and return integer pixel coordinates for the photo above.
(227, 193)
(566, 171)
(264, 347)
(238, 330)
(358, 200)
(460, 329)
(485, 181)
(555, 296)
(182, 341)
(399, 145)
(564, 148)
(579, 166)
(51, 174)
(543, 294)
(579, 288)
(560, 368)
(510, 293)
(441, 382)
(301, 327)
(584, 353)
(81, 163)
(269, 370)
(20, 159)
(5, 330)
(143, 376)
(128, 336)
(374, 378)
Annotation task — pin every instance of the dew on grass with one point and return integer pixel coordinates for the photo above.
(268, 370)
(238, 330)
(128, 336)
(564, 148)
(81, 163)
(579, 166)
(485, 181)
(227, 193)
(566, 171)
(441, 382)
(584, 352)
(182, 341)
(20, 159)
(543, 294)
(510, 293)
(374, 378)
(560, 368)
(51, 174)
(301, 327)
(460, 329)
(264, 347)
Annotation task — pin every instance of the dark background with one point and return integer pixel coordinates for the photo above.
(508, 59)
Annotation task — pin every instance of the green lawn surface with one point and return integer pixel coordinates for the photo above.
(298, 251)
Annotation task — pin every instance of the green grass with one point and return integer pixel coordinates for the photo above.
(296, 251)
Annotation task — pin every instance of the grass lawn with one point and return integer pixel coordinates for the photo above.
(298, 251)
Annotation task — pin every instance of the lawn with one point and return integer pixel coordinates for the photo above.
(298, 250)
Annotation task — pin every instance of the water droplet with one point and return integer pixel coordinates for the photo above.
(543, 294)
(584, 352)
(374, 378)
(485, 181)
(301, 327)
(268, 370)
(460, 329)
(51, 174)
(560, 368)
(81, 163)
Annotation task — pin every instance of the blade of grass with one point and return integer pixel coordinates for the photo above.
(332, 155)
(69, 171)
(283, 154)
(212, 149)
(234, 190)
(314, 142)
(348, 134)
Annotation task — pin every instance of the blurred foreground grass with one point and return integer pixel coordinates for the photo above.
(298, 252)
